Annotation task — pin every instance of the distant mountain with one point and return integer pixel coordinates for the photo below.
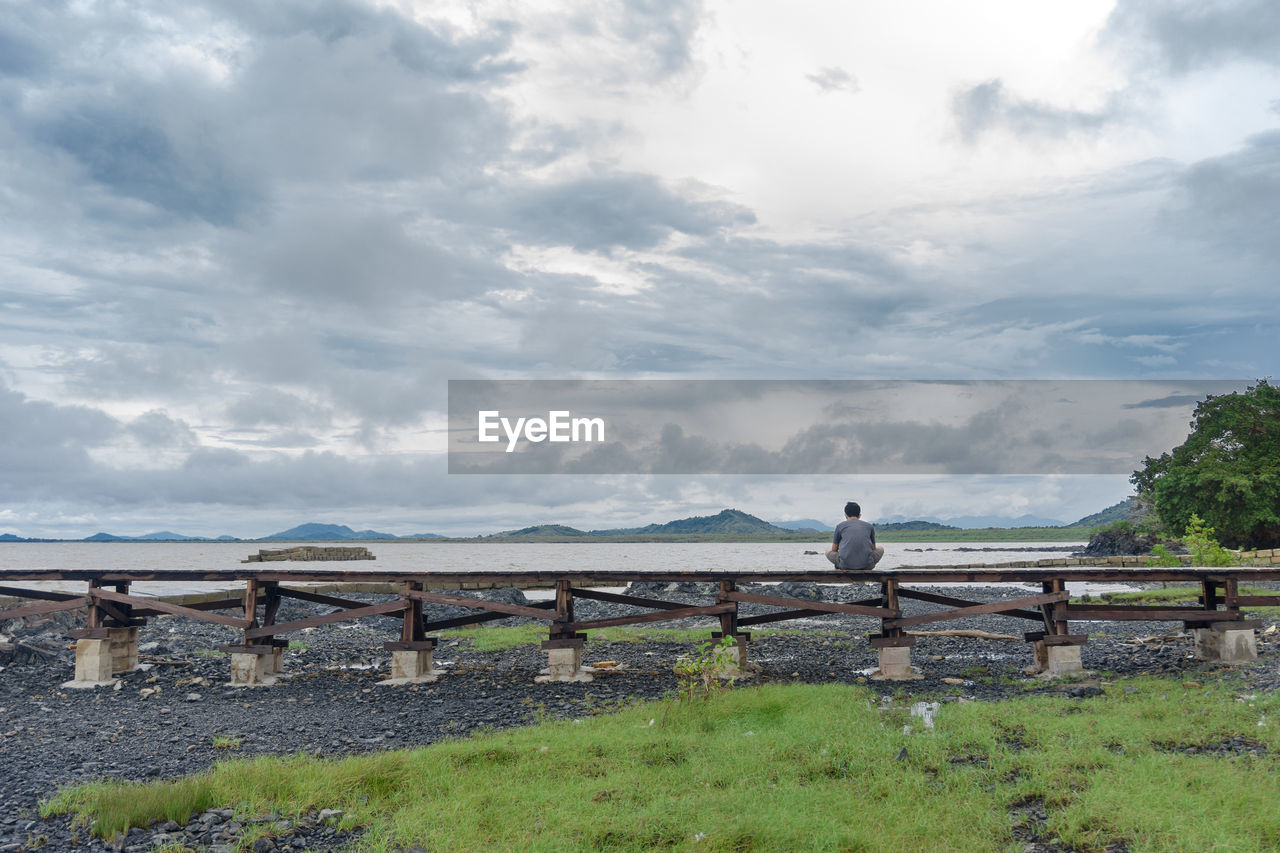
(226, 539)
(165, 536)
(545, 530)
(423, 536)
(728, 521)
(313, 530)
(804, 524)
(1127, 510)
(969, 522)
(9, 537)
(104, 537)
(915, 525)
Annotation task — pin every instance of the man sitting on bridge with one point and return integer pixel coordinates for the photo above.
(853, 548)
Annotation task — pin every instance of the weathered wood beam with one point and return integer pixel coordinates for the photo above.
(978, 609)
(934, 598)
(166, 607)
(616, 598)
(1118, 613)
(660, 616)
(326, 619)
(779, 616)
(825, 606)
(43, 607)
(476, 604)
(477, 618)
(329, 600)
(37, 594)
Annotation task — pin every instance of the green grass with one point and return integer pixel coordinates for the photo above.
(495, 639)
(1183, 594)
(781, 768)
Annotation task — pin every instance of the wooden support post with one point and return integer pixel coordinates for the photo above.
(893, 645)
(1056, 651)
(412, 656)
(1209, 593)
(1231, 596)
(94, 661)
(256, 662)
(732, 663)
(94, 622)
(564, 611)
(564, 649)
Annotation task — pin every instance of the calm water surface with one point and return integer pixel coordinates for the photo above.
(459, 556)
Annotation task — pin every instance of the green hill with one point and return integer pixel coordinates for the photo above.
(544, 530)
(726, 522)
(1127, 510)
(915, 525)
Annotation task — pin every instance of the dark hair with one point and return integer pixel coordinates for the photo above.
(851, 510)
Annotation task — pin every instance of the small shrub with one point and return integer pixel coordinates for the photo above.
(1205, 550)
(1162, 557)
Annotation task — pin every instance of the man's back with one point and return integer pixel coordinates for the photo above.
(856, 539)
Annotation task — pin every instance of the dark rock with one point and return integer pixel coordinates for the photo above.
(1118, 542)
(806, 590)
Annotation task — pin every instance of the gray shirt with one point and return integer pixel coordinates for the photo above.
(855, 538)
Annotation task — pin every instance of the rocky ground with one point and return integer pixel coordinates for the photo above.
(176, 715)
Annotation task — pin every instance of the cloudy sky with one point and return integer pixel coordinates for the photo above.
(245, 245)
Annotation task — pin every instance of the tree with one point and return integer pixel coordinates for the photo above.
(1227, 471)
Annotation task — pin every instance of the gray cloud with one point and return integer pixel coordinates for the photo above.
(660, 32)
(988, 106)
(1185, 35)
(632, 211)
(155, 429)
(1234, 200)
(833, 79)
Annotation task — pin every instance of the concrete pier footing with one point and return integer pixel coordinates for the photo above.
(1061, 661)
(273, 665)
(564, 662)
(895, 665)
(1056, 655)
(412, 666)
(99, 659)
(93, 665)
(732, 661)
(249, 669)
(124, 648)
(1227, 642)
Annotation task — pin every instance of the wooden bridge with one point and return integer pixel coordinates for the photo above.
(107, 643)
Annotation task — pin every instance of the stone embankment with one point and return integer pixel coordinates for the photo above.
(310, 553)
(1247, 558)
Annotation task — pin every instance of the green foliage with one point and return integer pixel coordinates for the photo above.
(1162, 557)
(1205, 550)
(702, 672)
(1150, 765)
(1227, 471)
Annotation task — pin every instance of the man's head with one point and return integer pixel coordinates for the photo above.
(852, 510)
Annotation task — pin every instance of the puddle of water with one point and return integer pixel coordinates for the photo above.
(925, 711)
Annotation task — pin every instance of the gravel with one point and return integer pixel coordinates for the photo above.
(176, 715)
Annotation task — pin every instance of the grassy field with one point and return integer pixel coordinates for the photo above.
(1155, 765)
(1183, 593)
